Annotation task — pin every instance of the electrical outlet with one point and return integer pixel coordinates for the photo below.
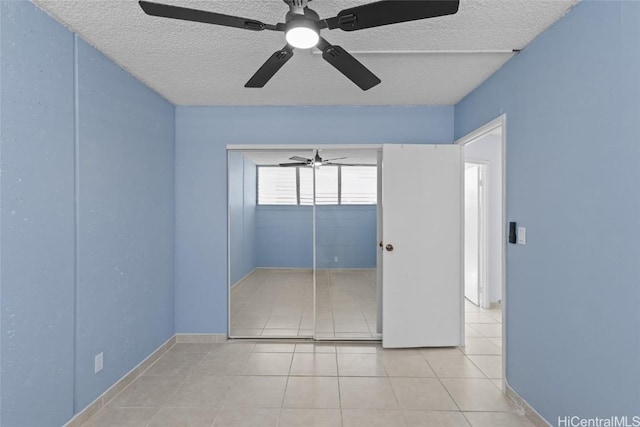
(98, 363)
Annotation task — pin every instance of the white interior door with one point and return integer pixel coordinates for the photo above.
(472, 213)
(422, 255)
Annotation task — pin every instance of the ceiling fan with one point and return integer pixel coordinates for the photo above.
(302, 30)
(317, 161)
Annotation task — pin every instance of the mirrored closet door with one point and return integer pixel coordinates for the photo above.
(270, 245)
(346, 227)
(303, 243)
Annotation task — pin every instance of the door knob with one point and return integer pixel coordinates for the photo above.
(389, 247)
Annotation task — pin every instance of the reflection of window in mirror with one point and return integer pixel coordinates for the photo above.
(359, 185)
(335, 185)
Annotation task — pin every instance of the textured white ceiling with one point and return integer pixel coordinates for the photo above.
(200, 64)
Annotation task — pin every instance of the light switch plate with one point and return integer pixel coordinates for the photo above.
(522, 235)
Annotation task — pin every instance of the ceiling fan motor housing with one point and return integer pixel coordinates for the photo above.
(297, 6)
(305, 14)
(297, 3)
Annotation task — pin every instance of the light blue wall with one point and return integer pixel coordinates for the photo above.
(242, 211)
(87, 184)
(37, 218)
(125, 296)
(572, 101)
(346, 232)
(202, 134)
(285, 236)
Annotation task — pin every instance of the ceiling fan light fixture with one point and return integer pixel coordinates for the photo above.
(302, 35)
(302, 30)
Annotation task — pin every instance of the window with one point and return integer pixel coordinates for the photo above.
(306, 186)
(327, 185)
(359, 185)
(335, 185)
(277, 186)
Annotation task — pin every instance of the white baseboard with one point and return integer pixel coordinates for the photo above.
(244, 277)
(201, 338)
(90, 410)
(529, 412)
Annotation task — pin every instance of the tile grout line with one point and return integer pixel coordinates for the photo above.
(282, 408)
(339, 389)
(442, 383)
(184, 380)
(338, 376)
(286, 386)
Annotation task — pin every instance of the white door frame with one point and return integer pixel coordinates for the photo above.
(483, 249)
(499, 122)
(379, 254)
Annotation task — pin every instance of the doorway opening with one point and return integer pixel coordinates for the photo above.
(485, 245)
(476, 236)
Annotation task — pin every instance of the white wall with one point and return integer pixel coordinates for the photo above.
(489, 149)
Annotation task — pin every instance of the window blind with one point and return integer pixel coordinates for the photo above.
(327, 185)
(359, 185)
(346, 185)
(277, 186)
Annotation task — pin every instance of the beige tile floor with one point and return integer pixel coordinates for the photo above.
(306, 384)
(279, 303)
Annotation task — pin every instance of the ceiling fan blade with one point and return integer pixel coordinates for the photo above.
(300, 159)
(348, 65)
(176, 12)
(390, 12)
(270, 68)
(289, 165)
(337, 158)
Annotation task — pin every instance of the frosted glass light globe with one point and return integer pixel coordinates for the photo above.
(302, 37)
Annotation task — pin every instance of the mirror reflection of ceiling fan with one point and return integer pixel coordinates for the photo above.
(317, 161)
